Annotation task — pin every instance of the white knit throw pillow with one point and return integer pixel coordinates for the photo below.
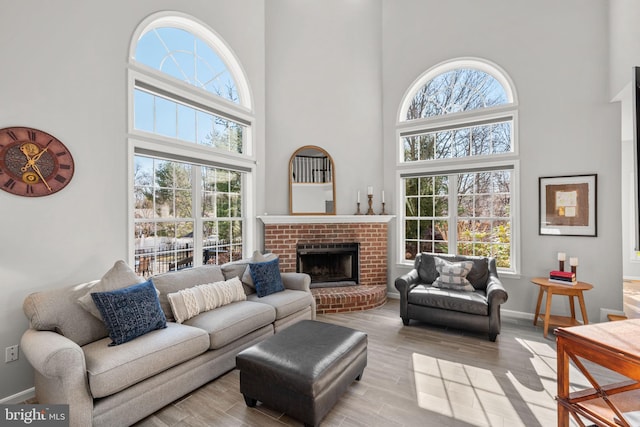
(190, 302)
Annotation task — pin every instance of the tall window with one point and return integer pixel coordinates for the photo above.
(457, 163)
(190, 140)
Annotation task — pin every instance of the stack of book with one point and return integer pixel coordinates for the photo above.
(563, 277)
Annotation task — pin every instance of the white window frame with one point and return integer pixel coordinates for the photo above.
(154, 145)
(459, 165)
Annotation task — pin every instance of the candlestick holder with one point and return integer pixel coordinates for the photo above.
(370, 211)
(561, 265)
(383, 212)
(574, 270)
(358, 210)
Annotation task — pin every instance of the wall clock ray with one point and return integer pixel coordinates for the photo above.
(33, 163)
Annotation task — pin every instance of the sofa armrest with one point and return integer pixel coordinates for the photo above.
(296, 281)
(60, 373)
(300, 282)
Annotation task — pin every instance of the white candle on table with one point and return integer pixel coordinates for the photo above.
(358, 197)
(382, 196)
(562, 256)
(573, 261)
(370, 190)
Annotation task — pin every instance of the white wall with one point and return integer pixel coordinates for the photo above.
(324, 89)
(624, 46)
(64, 71)
(557, 55)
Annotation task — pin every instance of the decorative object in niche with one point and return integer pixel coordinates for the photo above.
(312, 187)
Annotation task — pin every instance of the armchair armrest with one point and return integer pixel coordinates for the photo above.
(496, 293)
(60, 373)
(406, 282)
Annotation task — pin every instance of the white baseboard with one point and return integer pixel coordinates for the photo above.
(20, 397)
(516, 314)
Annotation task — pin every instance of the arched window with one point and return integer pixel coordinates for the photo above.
(190, 143)
(457, 162)
(186, 57)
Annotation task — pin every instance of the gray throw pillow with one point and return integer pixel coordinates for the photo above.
(118, 277)
(453, 275)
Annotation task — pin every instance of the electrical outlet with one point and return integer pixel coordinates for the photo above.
(11, 353)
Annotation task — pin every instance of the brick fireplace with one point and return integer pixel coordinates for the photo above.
(282, 235)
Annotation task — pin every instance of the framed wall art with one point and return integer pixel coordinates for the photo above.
(568, 205)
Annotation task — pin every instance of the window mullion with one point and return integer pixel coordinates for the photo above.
(196, 207)
(453, 215)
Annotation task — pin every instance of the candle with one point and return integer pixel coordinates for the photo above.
(573, 261)
(382, 196)
(370, 190)
(562, 256)
(358, 197)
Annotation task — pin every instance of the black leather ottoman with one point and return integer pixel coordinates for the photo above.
(303, 370)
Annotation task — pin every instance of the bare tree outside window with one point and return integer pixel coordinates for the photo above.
(480, 210)
(191, 108)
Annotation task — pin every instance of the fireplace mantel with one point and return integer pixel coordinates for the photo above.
(324, 219)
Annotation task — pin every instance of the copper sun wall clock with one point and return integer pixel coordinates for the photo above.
(33, 163)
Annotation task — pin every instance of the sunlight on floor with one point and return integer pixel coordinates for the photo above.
(483, 397)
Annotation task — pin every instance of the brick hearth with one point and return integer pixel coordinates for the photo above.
(282, 234)
(349, 298)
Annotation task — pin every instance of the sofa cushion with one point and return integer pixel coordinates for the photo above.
(286, 302)
(112, 369)
(190, 302)
(233, 321)
(118, 277)
(453, 275)
(449, 299)
(266, 277)
(237, 269)
(58, 310)
(130, 312)
(174, 281)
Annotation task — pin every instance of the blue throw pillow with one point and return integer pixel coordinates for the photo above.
(266, 277)
(130, 312)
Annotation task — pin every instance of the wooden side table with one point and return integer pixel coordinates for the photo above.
(552, 289)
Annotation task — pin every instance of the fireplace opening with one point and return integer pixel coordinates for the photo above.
(329, 264)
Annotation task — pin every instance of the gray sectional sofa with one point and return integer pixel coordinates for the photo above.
(117, 385)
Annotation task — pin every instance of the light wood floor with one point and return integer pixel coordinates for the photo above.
(417, 375)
